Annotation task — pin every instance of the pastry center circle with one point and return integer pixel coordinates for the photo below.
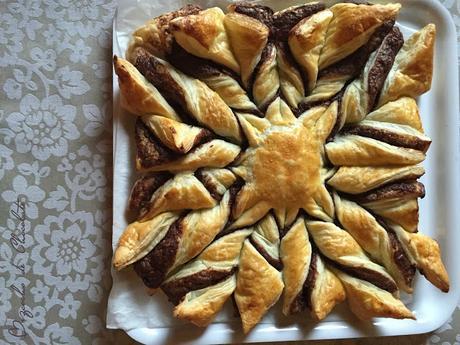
(287, 166)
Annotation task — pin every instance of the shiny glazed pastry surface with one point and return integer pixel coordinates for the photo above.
(278, 155)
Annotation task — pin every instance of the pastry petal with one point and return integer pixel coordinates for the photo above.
(176, 136)
(139, 238)
(355, 150)
(184, 191)
(355, 180)
(204, 35)
(367, 301)
(351, 27)
(139, 96)
(413, 67)
(258, 286)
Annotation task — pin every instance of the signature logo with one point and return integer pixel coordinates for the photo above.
(17, 242)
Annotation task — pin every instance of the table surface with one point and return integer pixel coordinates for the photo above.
(55, 175)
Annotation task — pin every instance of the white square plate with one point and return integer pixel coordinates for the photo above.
(439, 215)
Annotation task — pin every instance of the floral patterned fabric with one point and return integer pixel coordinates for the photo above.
(55, 175)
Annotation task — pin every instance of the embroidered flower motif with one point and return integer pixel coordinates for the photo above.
(43, 127)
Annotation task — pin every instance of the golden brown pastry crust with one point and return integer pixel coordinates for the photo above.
(295, 251)
(367, 301)
(200, 307)
(412, 70)
(247, 37)
(351, 27)
(155, 35)
(204, 35)
(427, 256)
(258, 286)
(306, 40)
(183, 191)
(374, 239)
(327, 292)
(138, 95)
(355, 180)
(281, 87)
(177, 136)
(140, 237)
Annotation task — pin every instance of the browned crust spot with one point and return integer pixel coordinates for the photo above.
(388, 137)
(149, 152)
(177, 289)
(153, 267)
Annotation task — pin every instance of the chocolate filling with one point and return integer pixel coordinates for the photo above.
(285, 20)
(194, 66)
(400, 257)
(143, 189)
(178, 288)
(153, 267)
(353, 64)
(404, 189)
(158, 74)
(233, 190)
(382, 63)
(275, 262)
(388, 137)
(263, 14)
(303, 299)
(149, 151)
(369, 275)
(208, 184)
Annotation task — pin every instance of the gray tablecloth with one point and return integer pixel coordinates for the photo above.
(55, 175)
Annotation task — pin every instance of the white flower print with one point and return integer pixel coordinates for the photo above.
(27, 10)
(78, 17)
(43, 127)
(55, 334)
(6, 162)
(65, 251)
(69, 307)
(31, 195)
(69, 251)
(13, 89)
(52, 35)
(39, 291)
(38, 319)
(80, 51)
(70, 82)
(5, 296)
(10, 36)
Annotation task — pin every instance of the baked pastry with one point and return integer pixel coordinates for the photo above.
(279, 154)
